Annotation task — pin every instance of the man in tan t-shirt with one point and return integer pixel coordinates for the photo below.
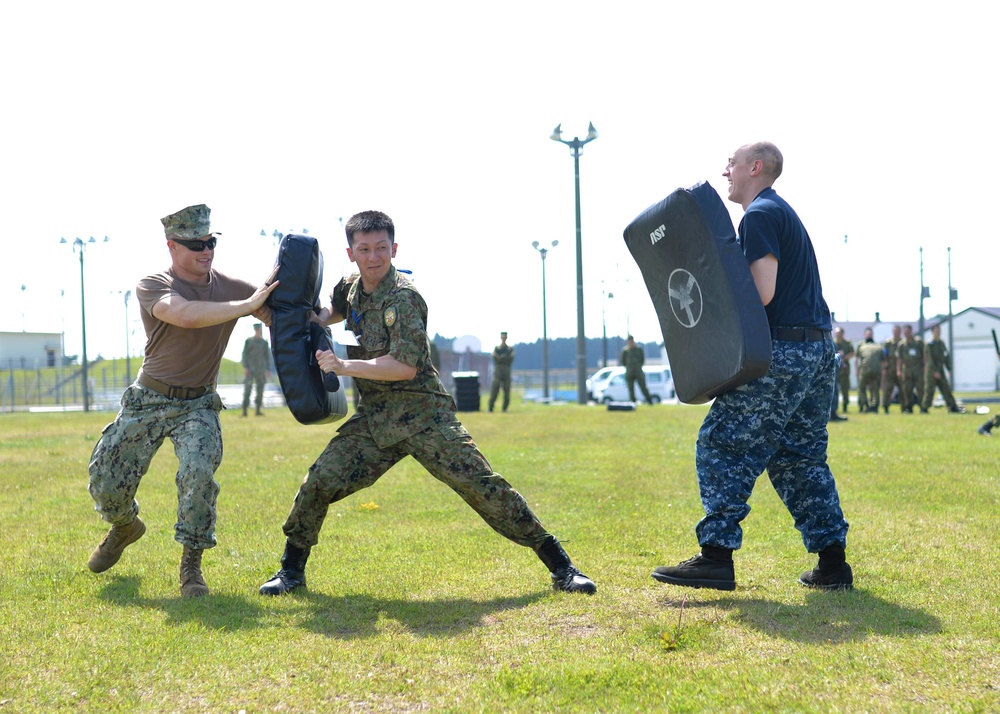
(188, 311)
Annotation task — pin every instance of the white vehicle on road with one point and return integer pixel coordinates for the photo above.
(599, 378)
(659, 382)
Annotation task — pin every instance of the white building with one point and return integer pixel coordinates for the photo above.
(30, 350)
(973, 353)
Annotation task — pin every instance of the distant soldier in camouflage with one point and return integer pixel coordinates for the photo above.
(846, 350)
(188, 311)
(910, 370)
(937, 368)
(404, 411)
(869, 372)
(632, 359)
(256, 368)
(890, 369)
(503, 359)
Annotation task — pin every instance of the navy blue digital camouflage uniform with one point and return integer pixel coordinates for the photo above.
(777, 422)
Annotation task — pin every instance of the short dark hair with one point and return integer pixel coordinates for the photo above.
(369, 222)
(769, 155)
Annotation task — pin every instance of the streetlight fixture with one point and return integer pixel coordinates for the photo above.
(576, 148)
(545, 330)
(78, 246)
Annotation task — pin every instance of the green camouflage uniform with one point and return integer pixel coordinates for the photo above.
(890, 378)
(395, 419)
(257, 362)
(503, 358)
(910, 355)
(846, 349)
(937, 360)
(870, 358)
(632, 359)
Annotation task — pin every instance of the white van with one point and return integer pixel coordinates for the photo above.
(659, 382)
(598, 379)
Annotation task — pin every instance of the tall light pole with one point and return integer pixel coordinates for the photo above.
(78, 246)
(604, 325)
(925, 292)
(128, 353)
(952, 295)
(847, 290)
(545, 329)
(576, 147)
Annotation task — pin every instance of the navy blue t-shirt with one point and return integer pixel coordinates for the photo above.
(771, 226)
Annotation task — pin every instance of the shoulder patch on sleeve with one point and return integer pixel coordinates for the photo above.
(389, 316)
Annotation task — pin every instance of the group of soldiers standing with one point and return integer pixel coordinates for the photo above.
(901, 365)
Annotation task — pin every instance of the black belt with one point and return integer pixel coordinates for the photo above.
(800, 334)
(172, 392)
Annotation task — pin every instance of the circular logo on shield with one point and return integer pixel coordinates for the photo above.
(685, 297)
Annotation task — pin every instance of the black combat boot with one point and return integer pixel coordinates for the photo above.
(712, 568)
(832, 572)
(565, 577)
(292, 574)
(986, 428)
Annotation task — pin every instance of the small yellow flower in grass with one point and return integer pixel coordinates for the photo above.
(370, 506)
(669, 640)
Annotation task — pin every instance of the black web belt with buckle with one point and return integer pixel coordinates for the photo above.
(171, 392)
(800, 334)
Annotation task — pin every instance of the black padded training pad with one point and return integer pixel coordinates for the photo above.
(713, 322)
(295, 338)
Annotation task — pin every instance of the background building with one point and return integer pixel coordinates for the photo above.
(974, 354)
(30, 350)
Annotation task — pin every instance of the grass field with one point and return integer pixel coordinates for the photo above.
(415, 605)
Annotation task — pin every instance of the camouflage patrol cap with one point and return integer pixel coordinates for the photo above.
(189, 223)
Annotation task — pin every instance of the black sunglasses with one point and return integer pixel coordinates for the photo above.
(198, 245)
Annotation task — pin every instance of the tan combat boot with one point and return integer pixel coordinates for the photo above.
(111, 548)
(192, 583)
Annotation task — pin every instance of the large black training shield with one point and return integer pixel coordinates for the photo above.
(312, 397)
(713, 322)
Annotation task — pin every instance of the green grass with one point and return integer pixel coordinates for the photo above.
(414, 604)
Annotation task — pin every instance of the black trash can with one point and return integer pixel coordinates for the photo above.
(466, 391)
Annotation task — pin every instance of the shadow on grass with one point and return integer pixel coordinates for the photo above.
(826, 616)
(217, 611)
(359, 615)
(353, 616)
